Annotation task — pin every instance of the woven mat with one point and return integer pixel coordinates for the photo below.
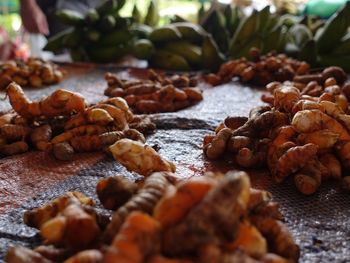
(320, 223)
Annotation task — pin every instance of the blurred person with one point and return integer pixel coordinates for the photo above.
(38, 16)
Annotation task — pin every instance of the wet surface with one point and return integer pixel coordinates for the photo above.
(320, 223)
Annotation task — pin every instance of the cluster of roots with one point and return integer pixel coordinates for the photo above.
(212, 218)
(33, 73)
(304, 132)
(156, 93)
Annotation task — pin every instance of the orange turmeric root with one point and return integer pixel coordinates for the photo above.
(86, 256)
(59, 103)
(292, 160)
(73, 227)
(225, 203)
(138, 238)
(172, 208)
(38, 216)
(280, 240)
(145, 201)
(217, 146)
(249, 240)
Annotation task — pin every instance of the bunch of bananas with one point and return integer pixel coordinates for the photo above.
(322, 44)
(101, 35)
(184, 46)
(333, 40)
(221, 21)
(263, 30)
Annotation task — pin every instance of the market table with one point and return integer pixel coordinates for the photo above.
(319, 223)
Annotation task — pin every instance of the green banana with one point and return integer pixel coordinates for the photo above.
(291, 49)
(136, 14)
(168, 60)
(334, 29)
(272, 23)
(332, 60)
(116, 37)
(229, 16)
(106, 54)
(107, 7)
(190, 31)
(212, 58)
(55, 43)
(143, 49)
(245, 31)
(92, 35)
(299, 34)
(141, 31)
(70, 17)
(122, 22)
(287, 20)
(219, 31)
(107, 23)
(152, 16)
(177, 19)
(272, 41)
(165, 34)
(73, 39)
(78, 54)
(200, 13)
(192, 53)
(92, 16)
(264, 15)
(308, 52)
(343, 48)
(255, 42)
(283, 39)
(120, 4)
(232, 19)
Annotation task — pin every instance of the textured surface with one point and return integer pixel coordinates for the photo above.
(320, 223)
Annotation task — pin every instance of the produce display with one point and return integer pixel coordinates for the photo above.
(63, 124)
(102, 35)
(261, 70)
(162, 221)
(150, 213)
(33, 73)
(155, 94)
(304, 132)
(306, 38)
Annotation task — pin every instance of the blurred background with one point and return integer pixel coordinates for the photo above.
(15, 42)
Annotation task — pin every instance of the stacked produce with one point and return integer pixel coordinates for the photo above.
(157, 93)
(160, 221)
(101, 35)
(33, 73)
(304, 133)
(63, 124)
(184, 46)
(306, 38)
(261, 70)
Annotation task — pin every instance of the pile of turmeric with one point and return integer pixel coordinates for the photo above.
(304, 132)
(33, 73)
(260, 70)
(156, 93)
(62, 123)
(213, 218)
